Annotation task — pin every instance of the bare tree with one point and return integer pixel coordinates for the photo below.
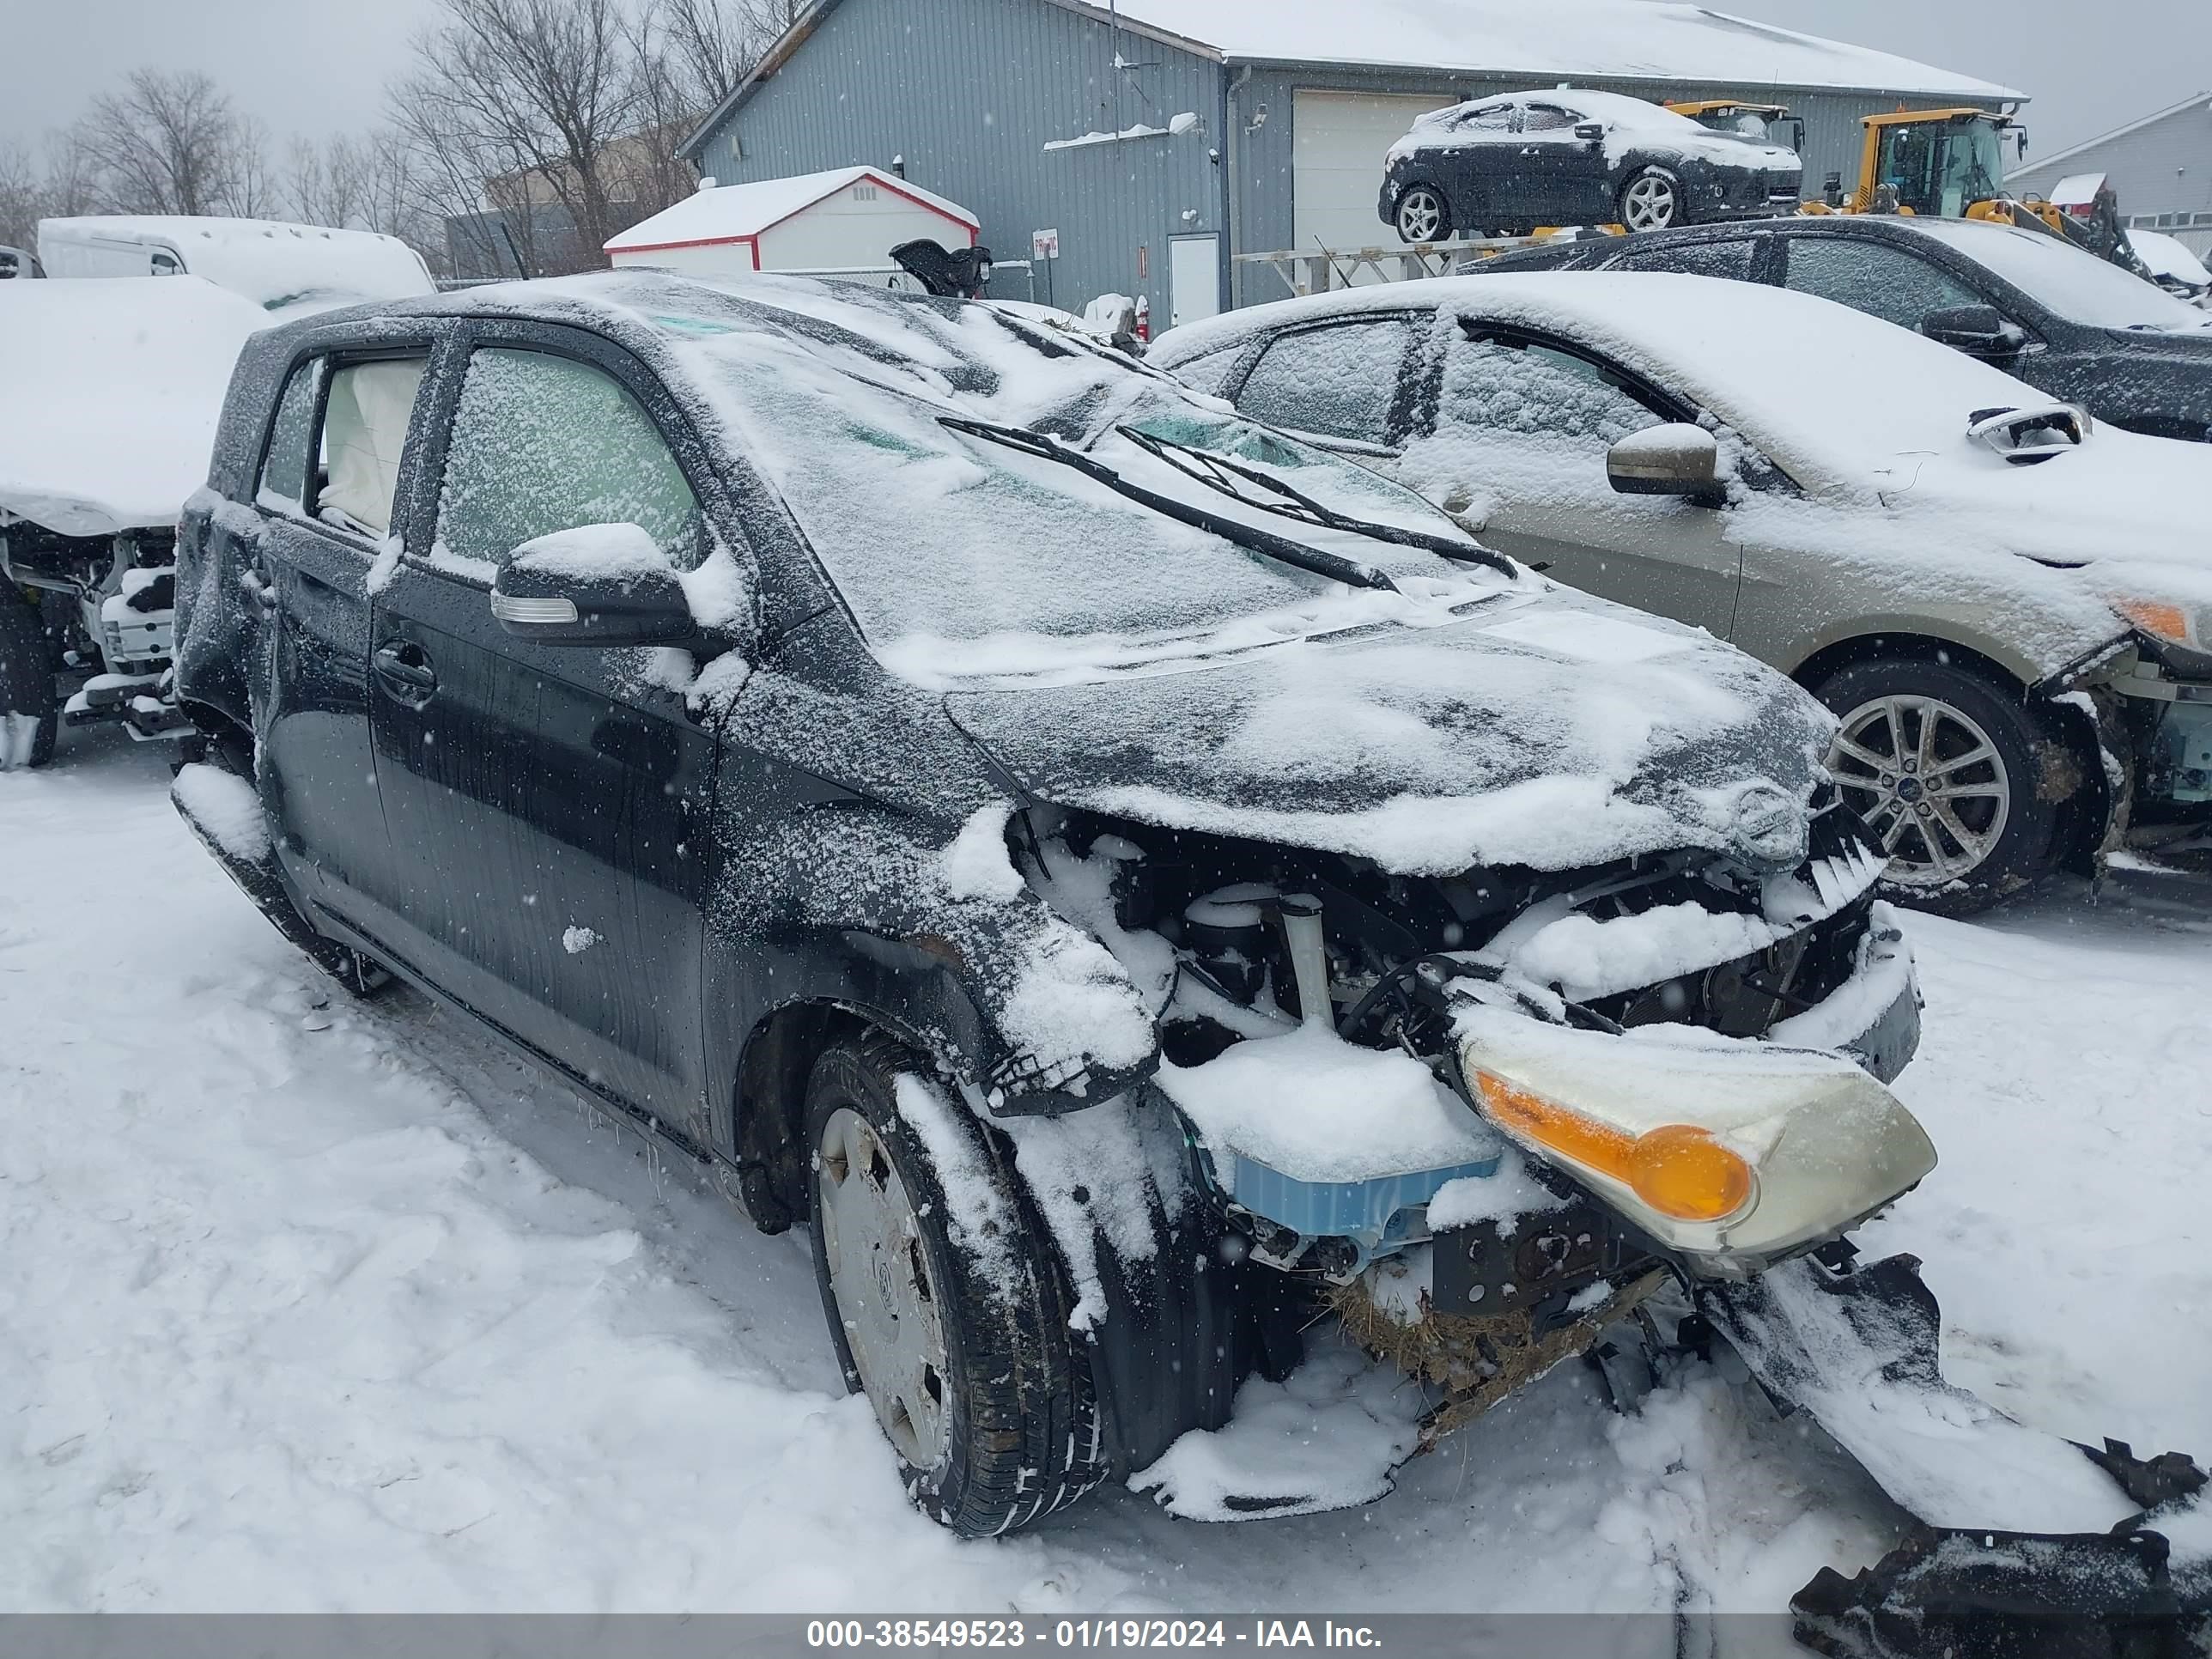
(323, 182)
(525, 98)
(22, 196)
(172, 143)
(711, 46)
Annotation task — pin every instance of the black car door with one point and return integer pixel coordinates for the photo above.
(1473, 161)
(1562, 179)
(325, 506)
(552, 797)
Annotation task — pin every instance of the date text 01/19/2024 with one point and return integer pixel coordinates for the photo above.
(1018, 1632)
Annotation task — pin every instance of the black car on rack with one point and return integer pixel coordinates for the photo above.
(2064, 321)
(1508, 163)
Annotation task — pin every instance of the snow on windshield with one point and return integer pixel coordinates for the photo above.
(959, 553)
(2077, 285)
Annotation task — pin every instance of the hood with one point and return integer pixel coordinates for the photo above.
(1552, 733)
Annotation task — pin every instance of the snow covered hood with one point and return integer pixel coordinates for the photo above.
(110, 393)
(1552, 731)
(1617, 39)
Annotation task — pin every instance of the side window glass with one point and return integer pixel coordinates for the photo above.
(541, 443)
(1211, 372)
(365, 420)
(1489, 117)
(1493, 386)
(1337, 382)
(1728, 259)
(1867, 277)
(291, 441)
(1548, 117)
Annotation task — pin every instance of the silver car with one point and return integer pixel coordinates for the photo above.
(2008, 607)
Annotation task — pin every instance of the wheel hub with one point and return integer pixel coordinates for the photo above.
(1930, 783)
(879, 1276)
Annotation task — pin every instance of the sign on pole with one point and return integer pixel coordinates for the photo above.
(1044, 244)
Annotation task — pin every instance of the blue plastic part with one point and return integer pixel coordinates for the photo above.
(1378, 1216)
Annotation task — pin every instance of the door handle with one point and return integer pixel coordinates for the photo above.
(261, 582)
(405, 672)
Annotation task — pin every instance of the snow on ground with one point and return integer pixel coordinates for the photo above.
(314, 1305)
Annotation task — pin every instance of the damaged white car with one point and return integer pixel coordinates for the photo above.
(1124, 878)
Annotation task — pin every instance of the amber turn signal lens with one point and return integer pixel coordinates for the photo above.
(1682, 1171)
(1679, 1169)
(2168, 621)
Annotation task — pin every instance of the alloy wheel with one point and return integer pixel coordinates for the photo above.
(1421, 216)
(1930, 784)
(1648, 202)
(879, 1274)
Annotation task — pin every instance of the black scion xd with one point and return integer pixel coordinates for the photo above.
(948, 781)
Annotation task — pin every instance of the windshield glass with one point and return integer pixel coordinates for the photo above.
(2076, 285)
(959, 553)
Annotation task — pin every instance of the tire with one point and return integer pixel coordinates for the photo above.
(1423, 215)
(1650, 199)
(26, 684)
(1993, 829)
(973, 1377)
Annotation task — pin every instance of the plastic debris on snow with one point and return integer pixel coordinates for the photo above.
(1327, 1439)
(226, 807)
(1314, 1108)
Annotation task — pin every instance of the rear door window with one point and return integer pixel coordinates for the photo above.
(1337, 381)
(541, 443)
(1873, 277)
(284, 470)
(365, 418)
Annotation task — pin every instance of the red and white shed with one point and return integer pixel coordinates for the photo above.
(847, 219)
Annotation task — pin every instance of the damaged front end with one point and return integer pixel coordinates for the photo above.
(1498, 1120)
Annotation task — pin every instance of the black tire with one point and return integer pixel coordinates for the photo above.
(1019, 1429)
(1650, 199)
(2008, 804)
(27, 679)
(1427, 206)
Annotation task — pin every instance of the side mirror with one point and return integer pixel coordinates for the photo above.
(1978, 331)
(1674, 459)
(600, 584)
(1591, 132)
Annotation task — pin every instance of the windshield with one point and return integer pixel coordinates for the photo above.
(957, 551)
(2076, 285)
(1942, 167)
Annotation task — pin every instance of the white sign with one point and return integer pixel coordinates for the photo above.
(1044, 245)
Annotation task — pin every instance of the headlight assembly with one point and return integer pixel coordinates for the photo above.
(2168, 620)
(1729, 1153)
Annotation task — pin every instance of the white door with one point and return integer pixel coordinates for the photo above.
(1338, 140)
(1194, 279)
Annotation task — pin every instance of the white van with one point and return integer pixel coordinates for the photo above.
(290, 270)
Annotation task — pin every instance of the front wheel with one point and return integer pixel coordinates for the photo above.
(1948, 772)
(30, 713)
(944, 1303)
(1651, 200)
(1423, 215)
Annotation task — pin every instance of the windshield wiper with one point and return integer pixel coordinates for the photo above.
(1335, 567)
(1217, 470)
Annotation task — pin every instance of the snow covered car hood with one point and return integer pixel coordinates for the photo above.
(113, 390)
(1552, 734)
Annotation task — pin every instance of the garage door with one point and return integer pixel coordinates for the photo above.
(1337, 143)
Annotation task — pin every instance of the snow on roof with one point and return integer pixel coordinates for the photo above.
(730, 213)
(113, 390)
(1619, 39)
(293, 269)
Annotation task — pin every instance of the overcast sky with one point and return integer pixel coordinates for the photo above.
(318, 66)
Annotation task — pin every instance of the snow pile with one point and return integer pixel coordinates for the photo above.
(1071, 997)
(1314, 1108)
(577, 940)
(113, 390)
(225, 806)
(294, 270)
(975, 865)
(1327, 1439)
(977, 1216)
(1501, 1199)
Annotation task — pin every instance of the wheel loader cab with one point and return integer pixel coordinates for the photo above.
(1941, 162)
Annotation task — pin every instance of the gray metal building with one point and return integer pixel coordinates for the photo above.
(1164, 139)
(2159, 167)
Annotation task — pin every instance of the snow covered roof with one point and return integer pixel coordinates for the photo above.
(293, 269)
(732, 213)
(1613, 40)
(113, 393)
